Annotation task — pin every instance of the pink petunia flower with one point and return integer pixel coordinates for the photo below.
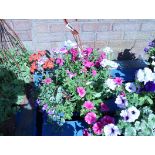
(94, 72)
(87, 52)
(104, 107)
(88, 64)
(88, 105)
(70, 74)
(60, 61)
(118, 81)
(98, 128)
(107, 120)
(47, 80)
(90, 118)
(84, 70)
(74, 53)
(81, 91)
(86, 133)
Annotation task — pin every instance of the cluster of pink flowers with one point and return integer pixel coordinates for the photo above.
(91, 118)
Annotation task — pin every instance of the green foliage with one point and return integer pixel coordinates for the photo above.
(14, 74)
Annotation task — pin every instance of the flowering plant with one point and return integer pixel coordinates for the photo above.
(76, 77)
(134, 111)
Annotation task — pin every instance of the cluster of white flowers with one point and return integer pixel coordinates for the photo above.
(109, 63)
(110, 84)
(130, 115)
(69, 44)
(145, 75)
(108, 50)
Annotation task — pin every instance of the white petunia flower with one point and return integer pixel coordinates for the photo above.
(134, 112)
(111, 84)
(111, 130)
(153, 63)
(108, 50)
(106, 62)
(130, 87)
(121, 101)
(144, 75)
(126, 116)
(140, 75)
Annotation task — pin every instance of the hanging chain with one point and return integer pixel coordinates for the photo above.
(75, 34)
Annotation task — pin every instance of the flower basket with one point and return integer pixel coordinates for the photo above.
(111, 98)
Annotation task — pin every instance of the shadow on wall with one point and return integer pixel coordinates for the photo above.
(126, 55)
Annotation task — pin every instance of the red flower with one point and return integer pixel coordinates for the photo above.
(33, 67)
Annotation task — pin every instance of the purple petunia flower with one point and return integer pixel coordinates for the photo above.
(146, 49)
(150, 86)
(152, 44)
(45, 107)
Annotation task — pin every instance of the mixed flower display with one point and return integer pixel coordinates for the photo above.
(78, 82)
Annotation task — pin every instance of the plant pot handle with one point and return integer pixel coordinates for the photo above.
(75, 34)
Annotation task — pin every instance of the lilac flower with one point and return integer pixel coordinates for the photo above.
(111, 130)
(50, 112)
(45, 107)
(38, 102)
(121, 101)
(150, 86)
(130, 87)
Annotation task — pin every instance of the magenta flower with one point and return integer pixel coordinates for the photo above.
(60, 61)
(70, 74)
(88, 105)
(90, 118)
(104, 107)
(98, 128)
(98, 61)
(94, 72)
(81, 91)
(86, 133)
(47, 80)
(118, 81)
(107, 120)
(88, 64)
(74, 53)
(87, 52)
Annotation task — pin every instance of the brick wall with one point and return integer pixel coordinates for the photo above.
(119, 34)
